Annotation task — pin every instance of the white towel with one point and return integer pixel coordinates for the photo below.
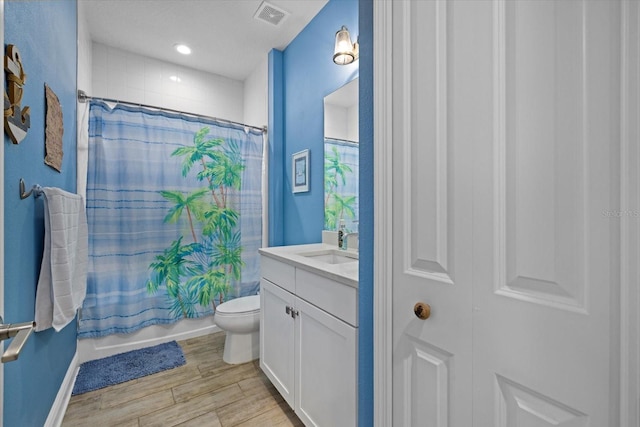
(63, 274)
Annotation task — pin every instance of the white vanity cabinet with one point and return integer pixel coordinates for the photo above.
(308, 342)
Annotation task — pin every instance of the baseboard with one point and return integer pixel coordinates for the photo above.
(56, 414)
(97, 348)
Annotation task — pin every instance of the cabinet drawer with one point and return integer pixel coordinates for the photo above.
(284, 275)
(335, 298)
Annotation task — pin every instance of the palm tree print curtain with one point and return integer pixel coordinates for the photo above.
(174, 208)
(340, 184)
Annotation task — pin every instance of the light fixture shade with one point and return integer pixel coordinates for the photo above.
(343, 53)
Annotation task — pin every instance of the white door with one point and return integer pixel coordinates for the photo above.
(505, 156)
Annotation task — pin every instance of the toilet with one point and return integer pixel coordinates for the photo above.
(240, 319)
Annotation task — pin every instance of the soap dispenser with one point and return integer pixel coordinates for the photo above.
(341, 232)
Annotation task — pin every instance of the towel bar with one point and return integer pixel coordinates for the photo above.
(21, 332)
(36, 190)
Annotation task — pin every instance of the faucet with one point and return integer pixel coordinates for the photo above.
(348, 236)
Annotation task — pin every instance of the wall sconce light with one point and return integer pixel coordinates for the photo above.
(345, 51)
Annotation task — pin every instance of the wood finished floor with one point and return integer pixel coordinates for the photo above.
(204, 392)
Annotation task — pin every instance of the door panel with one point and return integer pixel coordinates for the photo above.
(520, 406)
(427, 371)
(540, 152)
(431, 206)
(426, 205)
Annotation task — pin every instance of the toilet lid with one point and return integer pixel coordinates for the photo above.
(240, 305)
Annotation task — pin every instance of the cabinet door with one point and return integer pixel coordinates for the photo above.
(277, 339)
(326, 361)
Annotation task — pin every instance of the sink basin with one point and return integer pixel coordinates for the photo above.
(332, 256)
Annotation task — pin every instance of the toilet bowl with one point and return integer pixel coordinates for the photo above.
(240, 319)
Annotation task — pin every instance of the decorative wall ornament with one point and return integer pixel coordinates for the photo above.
(16, 121)
(300, 171)
(54, 130)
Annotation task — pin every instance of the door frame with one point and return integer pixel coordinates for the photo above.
(2, 228)
(382, 214)
(629, 214)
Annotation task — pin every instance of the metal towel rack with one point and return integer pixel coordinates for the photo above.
(21, 332)
(36, 190)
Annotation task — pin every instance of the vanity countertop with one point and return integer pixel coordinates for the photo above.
(346, 273)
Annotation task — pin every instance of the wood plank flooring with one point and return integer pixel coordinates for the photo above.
(204, 392)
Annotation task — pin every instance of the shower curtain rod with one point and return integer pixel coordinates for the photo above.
(83, 97)
(346, 141)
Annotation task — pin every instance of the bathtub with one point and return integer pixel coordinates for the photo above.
(97, 348)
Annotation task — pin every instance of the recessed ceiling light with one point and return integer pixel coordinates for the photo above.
(175, 79)
(183, 49)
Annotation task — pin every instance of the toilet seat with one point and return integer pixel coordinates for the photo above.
(240, 306)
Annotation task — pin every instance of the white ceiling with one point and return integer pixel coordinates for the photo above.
(224, 37)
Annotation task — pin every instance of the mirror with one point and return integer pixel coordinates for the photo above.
(341, 157)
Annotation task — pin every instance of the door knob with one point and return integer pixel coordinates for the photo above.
(422, 310)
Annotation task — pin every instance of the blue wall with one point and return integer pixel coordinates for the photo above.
(365, 301)
(299, 79)
(276, 149)
(45, 34)
(308, 75)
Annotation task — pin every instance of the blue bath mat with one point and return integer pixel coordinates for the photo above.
(119, 368)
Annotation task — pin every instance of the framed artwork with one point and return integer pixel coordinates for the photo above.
(300, 171)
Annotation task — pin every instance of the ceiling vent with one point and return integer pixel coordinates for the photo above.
(270, 13)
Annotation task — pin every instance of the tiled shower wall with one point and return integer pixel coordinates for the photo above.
(130, 77)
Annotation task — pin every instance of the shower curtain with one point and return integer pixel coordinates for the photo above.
(174, 208)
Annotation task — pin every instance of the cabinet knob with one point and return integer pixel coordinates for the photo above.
(422, 310)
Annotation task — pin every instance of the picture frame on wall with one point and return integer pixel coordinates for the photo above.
(300, 171)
